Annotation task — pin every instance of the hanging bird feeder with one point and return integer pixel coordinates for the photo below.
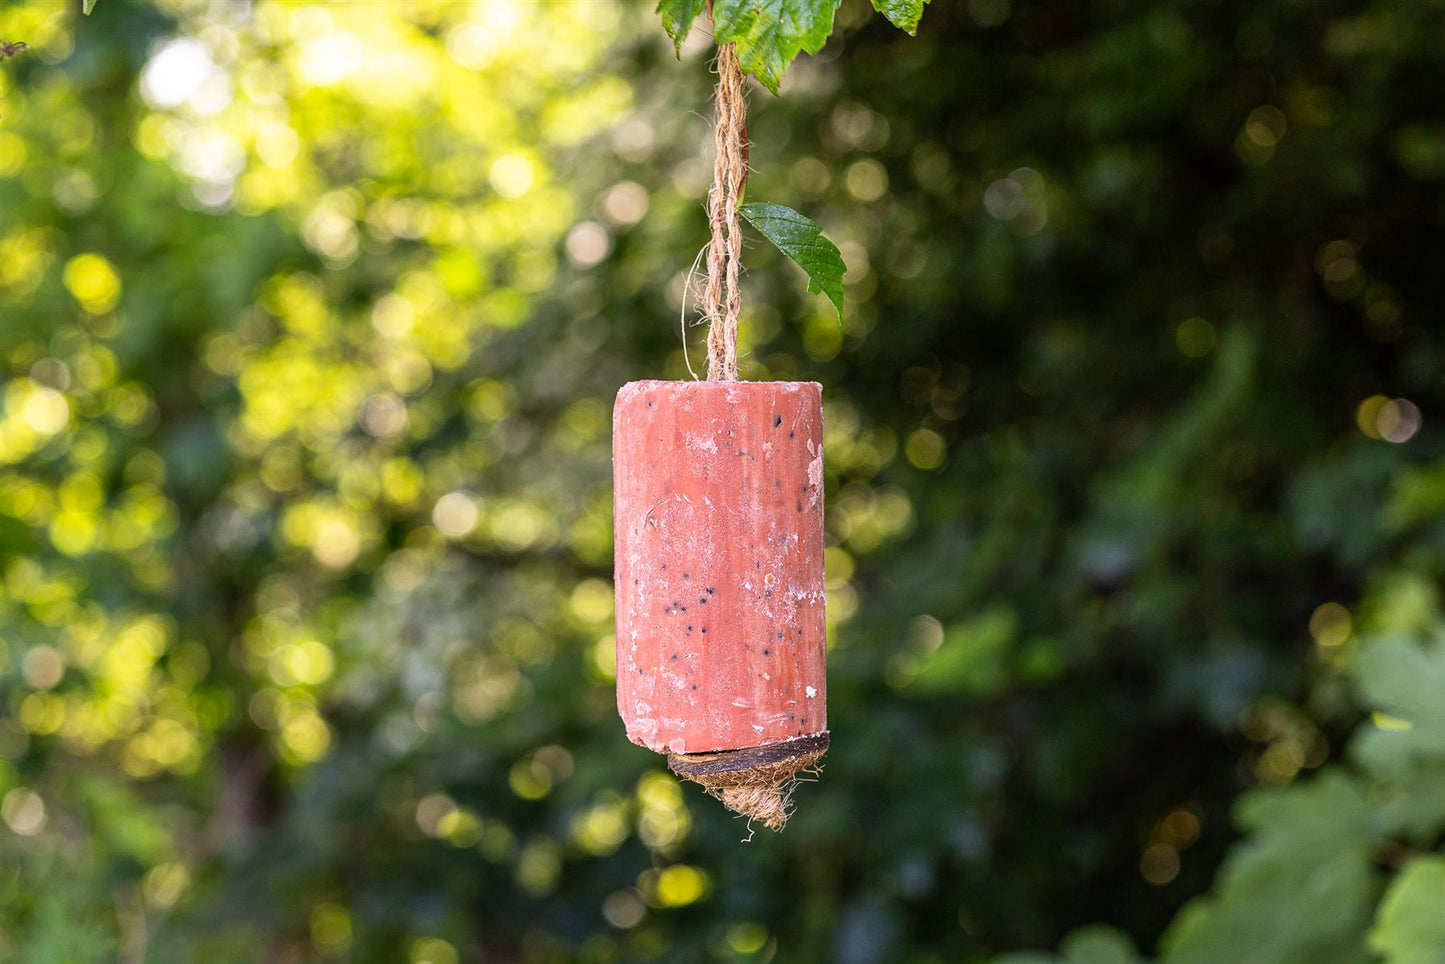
(718, 488)
(718, 508)
(720, 604)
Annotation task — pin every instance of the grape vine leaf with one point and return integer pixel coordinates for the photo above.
(770, 33)
(86, 6)
(802, 241)
(903, 14)
(677, 17)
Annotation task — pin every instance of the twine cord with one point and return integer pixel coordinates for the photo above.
(722, 301)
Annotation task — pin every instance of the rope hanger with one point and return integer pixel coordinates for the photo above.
(722, 301)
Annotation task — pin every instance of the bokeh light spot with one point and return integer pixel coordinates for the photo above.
(625, 203)
(1330, 625)
(867, 179)
(46, 411)
(1265, 126)
(1398, 420)
(587, 244)
(176, 72)
(624, 909)
(511, 175)
(433, 950)
(337, 544)
(164, 885)
(331, 929)
(42, 667)
(431, 811)
(92, 281)
(925, 448)
(680, 885)
(23, 811)
(1388, 420)
(455, 514)
(471, 45)
(747, 937)
(1160, 864)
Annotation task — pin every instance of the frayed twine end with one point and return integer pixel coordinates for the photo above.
(757, 782)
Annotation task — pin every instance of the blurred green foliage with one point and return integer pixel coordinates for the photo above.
(310, 320)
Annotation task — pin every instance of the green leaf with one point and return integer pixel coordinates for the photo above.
(1401, 681)
(1410, 924)
(903, 14)
(1091, 945)
(770, 33)
(801, 240)
(1310, 841)
(1098, 945)
(677, 18)
(86, 6)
